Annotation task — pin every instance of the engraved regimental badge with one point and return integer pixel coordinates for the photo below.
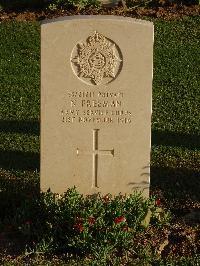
(97, 61)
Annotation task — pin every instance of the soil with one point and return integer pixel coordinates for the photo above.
(167, 12)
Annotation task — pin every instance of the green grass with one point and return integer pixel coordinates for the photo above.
(19, 111)
(176, 98)
(20, 95)
(176, 105)
(175, 160)
(176, 101)
(20, 76)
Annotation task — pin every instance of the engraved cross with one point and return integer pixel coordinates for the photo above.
(95, 156)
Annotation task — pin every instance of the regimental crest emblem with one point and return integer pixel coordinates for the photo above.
(96, 61)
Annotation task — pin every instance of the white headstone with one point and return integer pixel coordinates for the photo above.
(96, 79)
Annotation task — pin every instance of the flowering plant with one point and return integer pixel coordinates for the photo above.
(85, 225)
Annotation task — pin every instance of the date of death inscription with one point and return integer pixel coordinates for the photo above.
(95, 107)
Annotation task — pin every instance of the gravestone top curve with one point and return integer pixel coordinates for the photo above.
(96, 94)
(96, 17)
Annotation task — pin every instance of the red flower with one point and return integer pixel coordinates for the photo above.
(79, 227)
(119, 219)
(91, 220)
(158, 202)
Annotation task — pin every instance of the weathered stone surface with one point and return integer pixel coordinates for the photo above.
(109, 2)
(96, 78)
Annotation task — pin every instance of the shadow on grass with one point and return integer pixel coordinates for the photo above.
(179, 186)
(15, 192)
(24, 127)
(178, 183)
(167, 138)
(17, 160)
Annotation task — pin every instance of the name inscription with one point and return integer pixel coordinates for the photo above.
(95, 107)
